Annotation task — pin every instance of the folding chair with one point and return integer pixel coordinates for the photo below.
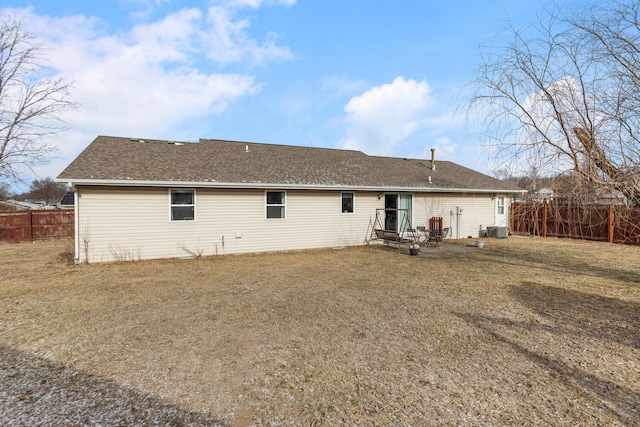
(437, 236)
(422, 234)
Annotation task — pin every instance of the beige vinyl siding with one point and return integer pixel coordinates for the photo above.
(118, 224)
(478, 210)
(134, 223)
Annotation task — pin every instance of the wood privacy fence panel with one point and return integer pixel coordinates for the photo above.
(609, 223)
(578, 222)
(528, 218)
(626, 225)
(36, 225)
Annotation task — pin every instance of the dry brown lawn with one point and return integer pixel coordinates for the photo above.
(523, 332)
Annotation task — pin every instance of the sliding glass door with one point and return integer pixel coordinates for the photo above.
(398, 212)
(405, 205)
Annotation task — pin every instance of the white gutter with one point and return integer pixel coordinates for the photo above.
(258, 185)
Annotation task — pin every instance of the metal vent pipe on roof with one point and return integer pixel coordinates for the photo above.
(433, 159)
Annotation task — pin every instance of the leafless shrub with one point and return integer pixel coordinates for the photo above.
(66, 256)
(86, 239)
(123, 255)
(195, 252)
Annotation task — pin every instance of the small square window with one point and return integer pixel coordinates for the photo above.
(347, 202)
(276, 205)
(183, 205)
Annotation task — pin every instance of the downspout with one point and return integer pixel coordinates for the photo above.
(76, 221)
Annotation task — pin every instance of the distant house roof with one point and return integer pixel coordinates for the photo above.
(23, 205)
(8, 206)
(217, 163)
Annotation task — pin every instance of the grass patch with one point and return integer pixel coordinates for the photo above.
(522, 332)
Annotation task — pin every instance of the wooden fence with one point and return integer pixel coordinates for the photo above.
(36, 225)
(608, 223)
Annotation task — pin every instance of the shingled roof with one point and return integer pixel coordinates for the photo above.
(216, 163)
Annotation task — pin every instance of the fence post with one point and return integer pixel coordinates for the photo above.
(544, 220)
(31, 225)
(610, 228)
(511, 220)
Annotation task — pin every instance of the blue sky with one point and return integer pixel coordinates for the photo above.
(384, 77)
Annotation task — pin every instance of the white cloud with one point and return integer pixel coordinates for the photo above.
(150, 79)
(337, 86)
(381, 118)
(444, 146)
(255, 3)
(146, 5)
(227, 40)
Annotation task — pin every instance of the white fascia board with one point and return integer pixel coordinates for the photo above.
(258, 185)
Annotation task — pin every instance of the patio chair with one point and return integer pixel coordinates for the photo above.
(422, 234)
(436, 236)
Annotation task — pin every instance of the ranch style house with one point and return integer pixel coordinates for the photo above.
(143, 199)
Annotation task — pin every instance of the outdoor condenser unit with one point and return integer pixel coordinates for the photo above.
(498, 232)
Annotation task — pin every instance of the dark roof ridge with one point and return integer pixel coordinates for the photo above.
(205, 140)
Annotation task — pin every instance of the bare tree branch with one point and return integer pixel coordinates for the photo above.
(31, 101)
(564, 96)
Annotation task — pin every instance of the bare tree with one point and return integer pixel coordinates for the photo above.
(4, 191)
(47, 189)
(563, 96)
(32, 100)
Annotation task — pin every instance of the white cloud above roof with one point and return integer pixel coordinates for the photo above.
(226, 40)
(383, 116)
(153, 77)
(275, 71)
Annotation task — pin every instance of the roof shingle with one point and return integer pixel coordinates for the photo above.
(212, 162)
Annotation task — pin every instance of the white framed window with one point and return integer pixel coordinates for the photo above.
(346, 202)
(182, 205)
(500, 205)
(275, 204)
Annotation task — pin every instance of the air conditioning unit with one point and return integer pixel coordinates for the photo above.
(497, 232)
